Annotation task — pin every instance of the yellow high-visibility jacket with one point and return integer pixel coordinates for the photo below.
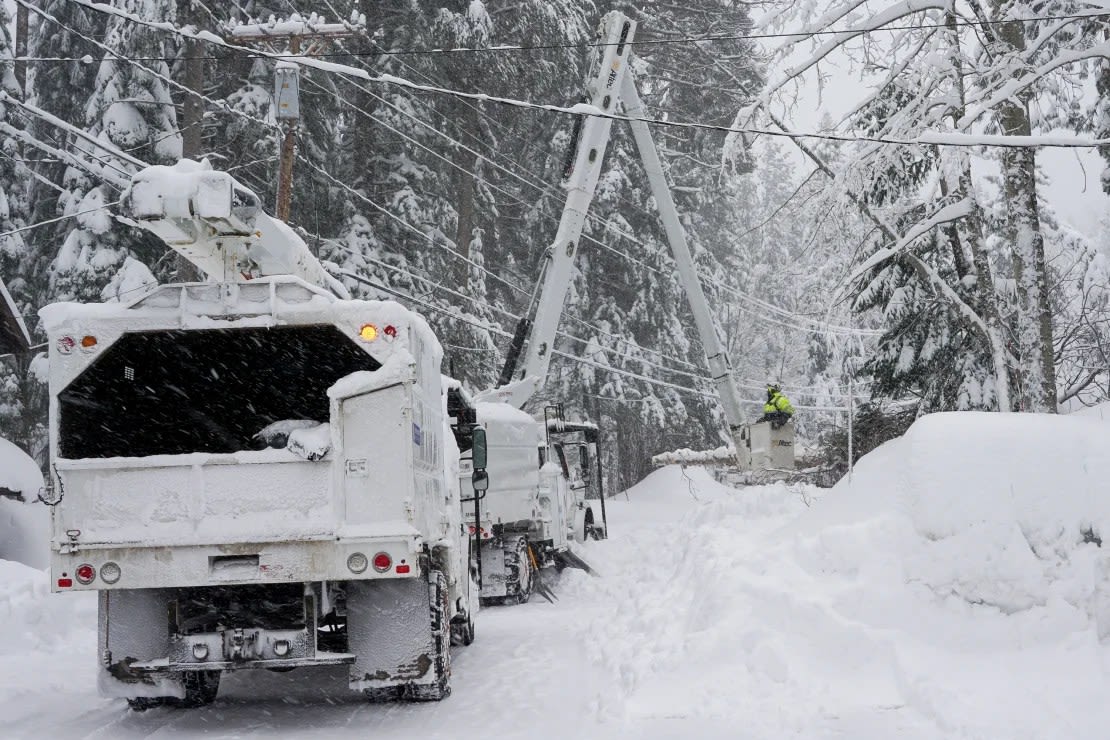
(778, 402)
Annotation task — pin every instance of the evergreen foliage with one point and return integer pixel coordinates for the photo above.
(455, 201)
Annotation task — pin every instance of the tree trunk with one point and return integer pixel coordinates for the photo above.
(465, 231)
(970, 235)
(1022, 231)
(192, 114)
(21, 31)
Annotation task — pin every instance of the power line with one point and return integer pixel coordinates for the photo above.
(508, 48)
(388, 213)
(934, 139)
(752, 385)
(815, 326)
(59, 218)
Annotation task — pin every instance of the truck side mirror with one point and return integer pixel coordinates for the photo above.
(584, 461)
(478, 448)
(480, 480)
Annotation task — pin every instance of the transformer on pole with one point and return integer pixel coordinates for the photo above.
(302, 37)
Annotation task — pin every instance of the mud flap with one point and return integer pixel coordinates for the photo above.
(134, 626)
(494, 574)
(396, 644)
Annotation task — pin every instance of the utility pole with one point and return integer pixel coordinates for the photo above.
(192, 113)
(301, 37)
(21, 31)
(192, 120)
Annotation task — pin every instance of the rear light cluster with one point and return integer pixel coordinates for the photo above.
(382, 562)
(86, 573)
(370, 333)
(67, 344)
(485, 533)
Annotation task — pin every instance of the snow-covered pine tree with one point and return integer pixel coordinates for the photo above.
(130, 109)
(935, 76)
(20, 391)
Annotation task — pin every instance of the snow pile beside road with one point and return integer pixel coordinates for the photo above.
(955, 588)
(35, 620)
(24, 525)
(18, 472)
(1004, 511)
(47, 648)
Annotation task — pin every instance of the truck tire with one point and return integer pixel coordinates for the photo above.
(462, 632)
(143, 703)
(522, 578)
(201, 688)
(588, 531)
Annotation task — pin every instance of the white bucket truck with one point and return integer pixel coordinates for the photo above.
(538, 502)
(254, 473)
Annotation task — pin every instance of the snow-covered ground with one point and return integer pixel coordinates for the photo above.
(955, 588)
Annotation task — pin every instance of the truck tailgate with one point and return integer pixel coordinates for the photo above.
(196, 499)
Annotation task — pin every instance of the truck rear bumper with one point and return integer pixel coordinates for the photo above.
(82, 568)
(163, 666)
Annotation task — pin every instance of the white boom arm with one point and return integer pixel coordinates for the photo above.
(719, 366)
(218, 225)
(612, 82)
(581, 183)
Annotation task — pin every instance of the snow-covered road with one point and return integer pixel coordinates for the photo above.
(609, 659)
(717, 614)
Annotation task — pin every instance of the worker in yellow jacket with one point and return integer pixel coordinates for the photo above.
(777, 410)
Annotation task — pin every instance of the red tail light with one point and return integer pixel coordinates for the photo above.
(85, 574)
(382, 562)
(403, 567)
(65, 583)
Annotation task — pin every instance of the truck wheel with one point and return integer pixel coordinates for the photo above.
(523, 575)
(382, 696)
(143, 703)
(201, 688)
(462, 632)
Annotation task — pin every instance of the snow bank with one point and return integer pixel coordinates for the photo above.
(18, 472)
(1100, 411)
(24, 525)
(956, 587)
(1006, 511)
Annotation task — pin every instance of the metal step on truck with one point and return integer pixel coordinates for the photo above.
(254, 473)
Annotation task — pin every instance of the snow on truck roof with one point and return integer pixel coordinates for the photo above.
(265, 301)
(507, 424)
(262, 303)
